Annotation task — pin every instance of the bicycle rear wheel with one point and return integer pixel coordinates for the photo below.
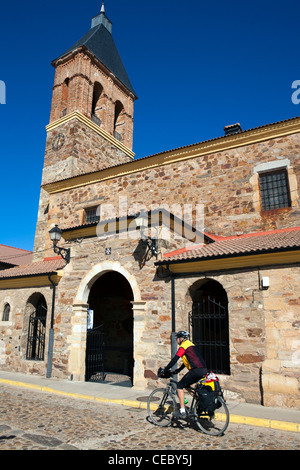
(215, 423)
(161, 406)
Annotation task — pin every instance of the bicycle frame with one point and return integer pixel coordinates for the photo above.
(207, 421)
(172, 388)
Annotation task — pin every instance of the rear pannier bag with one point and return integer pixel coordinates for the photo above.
(208, 393)
(207, 399)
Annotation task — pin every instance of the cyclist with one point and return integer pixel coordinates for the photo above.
(193, 361)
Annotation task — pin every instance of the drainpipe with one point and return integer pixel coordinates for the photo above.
(173, 334)
(51, 331)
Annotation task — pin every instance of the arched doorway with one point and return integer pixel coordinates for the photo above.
(210, 324)
(111, 324)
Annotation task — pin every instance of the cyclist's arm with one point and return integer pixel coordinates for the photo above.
(179, 369)
(172, 363)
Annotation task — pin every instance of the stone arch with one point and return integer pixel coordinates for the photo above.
(210, 284)
(97, 271)
(77, 341)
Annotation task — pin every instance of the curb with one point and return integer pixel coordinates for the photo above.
(237, 419)
(265, 423)
(132, 403)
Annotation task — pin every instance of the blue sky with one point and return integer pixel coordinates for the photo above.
(195, 66)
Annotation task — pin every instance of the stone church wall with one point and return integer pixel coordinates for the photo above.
(225, 183)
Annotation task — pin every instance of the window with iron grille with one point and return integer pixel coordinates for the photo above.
(274, 190)
(37, 333)
(92, 214)
(210, 333)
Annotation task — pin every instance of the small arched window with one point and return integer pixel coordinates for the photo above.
(6, 312)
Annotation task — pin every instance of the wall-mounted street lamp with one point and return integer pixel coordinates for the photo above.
(55, 236)
(141, 222)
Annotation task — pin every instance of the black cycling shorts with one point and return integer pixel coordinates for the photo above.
(191, 377)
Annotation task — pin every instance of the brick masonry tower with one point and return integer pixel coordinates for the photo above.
(91, 119)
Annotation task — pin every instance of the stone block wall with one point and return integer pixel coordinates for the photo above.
(14, 332)
(222, 182)
(263, 324)
(281, 369)
(264, 333)
(84, 151)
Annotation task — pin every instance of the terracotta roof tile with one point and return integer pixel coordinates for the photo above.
(251, 243)
(15, 256)
(47, 266)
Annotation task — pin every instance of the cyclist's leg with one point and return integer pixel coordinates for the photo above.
(191, 377)
(188, 379)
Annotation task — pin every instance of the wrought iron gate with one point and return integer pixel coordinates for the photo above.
(36, 334)
(95, 355)
(210, 333)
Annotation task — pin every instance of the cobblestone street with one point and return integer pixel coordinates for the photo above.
(32, 420)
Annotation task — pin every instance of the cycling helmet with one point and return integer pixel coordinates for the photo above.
(182, 334)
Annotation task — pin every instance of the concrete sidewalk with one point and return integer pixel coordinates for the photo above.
(122, 394)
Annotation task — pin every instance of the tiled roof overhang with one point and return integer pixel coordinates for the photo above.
(250, 250)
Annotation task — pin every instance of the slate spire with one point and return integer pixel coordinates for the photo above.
(99, 41)
(102, 19)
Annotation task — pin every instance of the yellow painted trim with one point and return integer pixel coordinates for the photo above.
(29, 281)
(41, 388)
(91, 231)
(247, 261)
(265, 423)
(80, 233)
(80, 117)
(253, 136)
(123, 225)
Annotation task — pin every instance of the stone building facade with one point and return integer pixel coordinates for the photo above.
(222, 252)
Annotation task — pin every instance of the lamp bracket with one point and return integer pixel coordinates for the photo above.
(63, 252)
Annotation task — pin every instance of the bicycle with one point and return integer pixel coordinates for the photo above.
(162, 404)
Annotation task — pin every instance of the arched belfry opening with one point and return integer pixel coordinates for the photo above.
(119, 121)
(210, 324)
(98, 103)
(110, 317)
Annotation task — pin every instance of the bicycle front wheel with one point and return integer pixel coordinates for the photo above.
(161, 406)
(215, 423)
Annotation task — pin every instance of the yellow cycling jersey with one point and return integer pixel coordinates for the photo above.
(190, 356)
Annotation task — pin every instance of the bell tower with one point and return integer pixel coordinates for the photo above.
(91, 91)
(91, 118)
